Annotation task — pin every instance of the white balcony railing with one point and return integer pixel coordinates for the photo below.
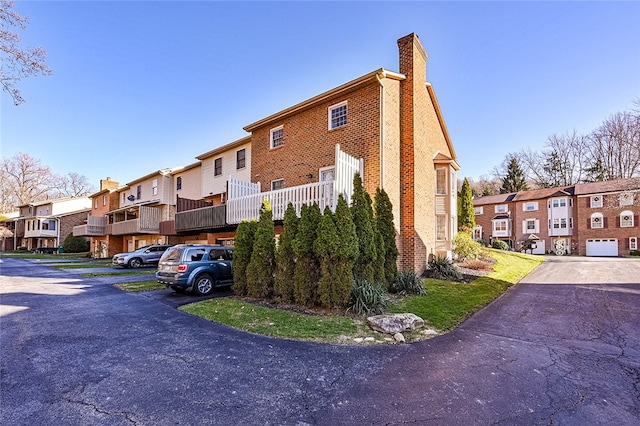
(245, 200)
(248, 206)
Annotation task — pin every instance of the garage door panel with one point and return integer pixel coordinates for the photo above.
(602, 247)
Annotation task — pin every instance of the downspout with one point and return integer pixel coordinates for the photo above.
(381, 130)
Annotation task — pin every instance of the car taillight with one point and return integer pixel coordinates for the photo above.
(182, 268)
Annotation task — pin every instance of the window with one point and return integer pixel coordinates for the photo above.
(597, 220)
(154, 187)
(499, 225)
(104, 200)
(217, 166)
(326, 173)
(626, 199)
(560, 223)
(454, 182)
(139, 192)
(441, 227)
(241, 159)
(276, 137)
(501, 208)
(478, 210)
(277, 184)
(571, 222)
(95, 203)
(337, 115)
(124, 197)
(179, 183)
(441, 181)
(626, 219)
(633, 243)
(530, 206)
(531, 226)
(596, 201)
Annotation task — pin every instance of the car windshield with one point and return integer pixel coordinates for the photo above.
(143, 248)
(172, 255)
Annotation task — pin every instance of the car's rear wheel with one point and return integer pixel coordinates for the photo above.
(203, 285)
(135, 263)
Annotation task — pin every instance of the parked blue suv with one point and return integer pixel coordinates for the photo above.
(201, 267)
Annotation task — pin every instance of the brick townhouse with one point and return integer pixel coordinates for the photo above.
(592, 219)
(386, 125)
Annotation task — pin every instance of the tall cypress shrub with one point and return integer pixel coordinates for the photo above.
(466, 215)
(384, 223)
(307, 269)
(261, 268)
(346, 252)
(285, 258)
(363, 219)
(243, 247)
(325, 248)
(379, 249)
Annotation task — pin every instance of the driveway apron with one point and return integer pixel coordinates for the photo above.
(560, 348)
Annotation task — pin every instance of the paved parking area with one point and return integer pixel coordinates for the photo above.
(562, 347)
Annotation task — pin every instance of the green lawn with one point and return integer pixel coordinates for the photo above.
(445, 305)
(138, 286)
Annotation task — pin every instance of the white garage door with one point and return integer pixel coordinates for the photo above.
(602, 247)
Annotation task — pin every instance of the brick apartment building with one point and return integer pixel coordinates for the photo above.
(592, 219)
(386, 125)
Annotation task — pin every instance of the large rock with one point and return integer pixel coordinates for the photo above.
(395, 323)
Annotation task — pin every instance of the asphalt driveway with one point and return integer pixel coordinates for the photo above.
(562, 347)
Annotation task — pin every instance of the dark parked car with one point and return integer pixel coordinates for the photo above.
(141, 256)
(46, 250)
(201, 267)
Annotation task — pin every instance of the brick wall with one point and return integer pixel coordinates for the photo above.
(308, 145)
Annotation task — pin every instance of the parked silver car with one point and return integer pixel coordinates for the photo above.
(144, 255)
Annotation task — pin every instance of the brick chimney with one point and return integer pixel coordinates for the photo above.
(413, 64)
(108, 184)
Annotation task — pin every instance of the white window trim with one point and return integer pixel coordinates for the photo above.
(534, 205)
(633, 243)
(277, 180)
(630, 214)
(600, 222)
(330, 109)
(501, 221)
(322, 170)
(478, 210)
(596, 205)
(498, 210)
(271, 132)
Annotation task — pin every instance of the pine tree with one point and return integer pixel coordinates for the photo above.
(466, 215)
(363, 219)
(243, 247)
(514, 181)
(384, 224)
(285, 257)
(261, 268)
(307, 270)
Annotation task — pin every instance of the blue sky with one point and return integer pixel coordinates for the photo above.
(141, 86)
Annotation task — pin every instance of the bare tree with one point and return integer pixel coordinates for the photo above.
(614, 148)
(17, 62)
(73, 185)
(560, 163)
(24, 179)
